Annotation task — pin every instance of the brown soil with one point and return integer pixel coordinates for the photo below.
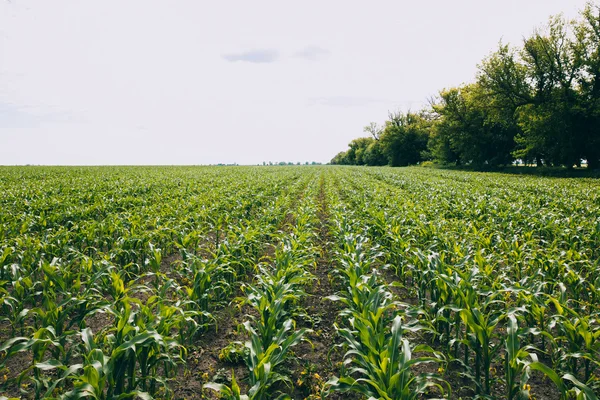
(203, 363)
(319, 361)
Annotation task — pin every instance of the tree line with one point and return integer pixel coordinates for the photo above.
(538, 103)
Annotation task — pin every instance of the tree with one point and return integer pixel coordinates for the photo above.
(587, 32)
(539, 102)
(469, 129)
(340, 158)
(547, 90)
(374, 130)
(404, 138)
(550, 121)
(358, 148)
(374, 155)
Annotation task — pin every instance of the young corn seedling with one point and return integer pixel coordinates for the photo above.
(382, 364)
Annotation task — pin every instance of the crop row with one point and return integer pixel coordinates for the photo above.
(275, 297)
(379, 360)
(107, 283)
(447, 284)
(507, 280)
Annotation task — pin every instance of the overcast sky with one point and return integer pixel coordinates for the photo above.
(201, 82)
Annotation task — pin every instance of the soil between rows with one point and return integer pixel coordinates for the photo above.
(203, 364)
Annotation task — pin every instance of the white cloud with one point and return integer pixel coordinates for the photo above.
(313, 53)
(253, 56)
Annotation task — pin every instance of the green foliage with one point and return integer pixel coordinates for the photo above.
(233, 353)
(498, 289)
(537, 104)
(405, 137)
(146, 254)
(109, 277)
(469, 129)
(275, 296)
(402, 141)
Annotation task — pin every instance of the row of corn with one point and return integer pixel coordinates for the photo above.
(102, 314)
(275, 298)
(508, 283)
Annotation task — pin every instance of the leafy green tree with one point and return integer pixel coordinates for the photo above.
(340, 158)
(587, 32)
(553, 62)
(374, 155)
(470, 129)
(356, 154)
(550, 90)
(537, 103)
(439, 145)
(404, 138)
(357, 150)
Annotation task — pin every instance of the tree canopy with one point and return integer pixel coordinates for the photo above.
(537, 103)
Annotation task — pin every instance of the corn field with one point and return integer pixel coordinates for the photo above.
(297, 283)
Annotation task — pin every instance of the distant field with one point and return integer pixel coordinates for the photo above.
(303, 281)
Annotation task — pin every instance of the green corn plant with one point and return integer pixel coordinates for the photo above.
(292, 260)
(275, 294)
(272, 298)
(132, 348)
(49, 384)
(226, 392)
(42, 340)
(568, 385)
(96, 370)
(166, 317)
(519, 361)
(218, 223)
(6, 256)
(55, 316)
(88, 379)
(516, 368)
(212, 280)
(368, 299)
(154, 261)
(383, 364)
(15, 313)
(537, 305)
(199, 290)
(185, 242)
(23, 293)
(581, 334)
(481, 324)
(263, 363)
(113, 284)
(461, 288)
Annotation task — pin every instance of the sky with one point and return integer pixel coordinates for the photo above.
(148, 82)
